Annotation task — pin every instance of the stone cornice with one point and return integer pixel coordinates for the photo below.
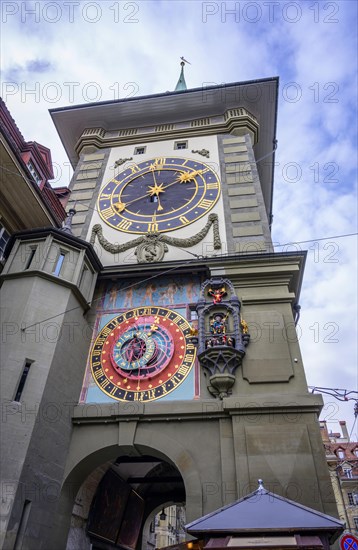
(235, 121)
(196, 410)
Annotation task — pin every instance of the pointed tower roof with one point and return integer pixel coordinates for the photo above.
(181, 84)
(263, 511)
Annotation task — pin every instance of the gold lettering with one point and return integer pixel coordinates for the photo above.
(124, 225)
(183, 219)
(152, 227)
(108, 213)
(134, 168)
(98, 373)
(183, 370)
(176, 380)
(159, 162)
(213, 185)
(206, 204)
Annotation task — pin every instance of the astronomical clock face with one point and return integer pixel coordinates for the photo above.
(142, 354)
(159, 195)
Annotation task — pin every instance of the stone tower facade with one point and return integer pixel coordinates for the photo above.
(189, 384)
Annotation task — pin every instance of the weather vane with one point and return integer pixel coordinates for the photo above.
(184, 60)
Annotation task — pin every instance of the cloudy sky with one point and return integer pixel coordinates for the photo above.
(63, 53)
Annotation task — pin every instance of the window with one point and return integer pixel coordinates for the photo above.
(139, 150)
(347, 472)
(59, 263)
(355, 452)
(353, 499)
(355, 523)
(23, 378)
(4, 237)
(34, 172)
(341, 453)
(193, 314)
(180, 144)
(83, 275)
(30, 258)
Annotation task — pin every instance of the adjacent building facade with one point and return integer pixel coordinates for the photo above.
(153, 341)
(27, 200)
(342, 460)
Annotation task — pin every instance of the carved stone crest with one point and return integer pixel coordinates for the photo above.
(151, 250)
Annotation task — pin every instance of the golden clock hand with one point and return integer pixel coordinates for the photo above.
(188, 176)
(159, 204)
(156, 189)
(153, 190)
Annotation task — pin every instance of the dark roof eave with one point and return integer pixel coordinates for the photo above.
(29, 178)
(163, 94)
(332, 533)
(261, 530)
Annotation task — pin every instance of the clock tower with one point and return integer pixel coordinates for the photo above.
(192, 383)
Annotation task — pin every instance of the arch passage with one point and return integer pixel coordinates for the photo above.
(118, 497)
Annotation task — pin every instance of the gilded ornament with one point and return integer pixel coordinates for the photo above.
(202, 152)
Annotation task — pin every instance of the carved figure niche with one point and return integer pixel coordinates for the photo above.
(223, 335)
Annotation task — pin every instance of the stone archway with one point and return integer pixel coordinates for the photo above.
(151, 480)
(160, 473)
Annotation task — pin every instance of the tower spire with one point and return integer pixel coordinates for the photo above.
(181, 84)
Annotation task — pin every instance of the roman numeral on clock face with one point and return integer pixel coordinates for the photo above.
(108, 213)
(152, 227)
(124, 225)
(134, 168)
(205, 204)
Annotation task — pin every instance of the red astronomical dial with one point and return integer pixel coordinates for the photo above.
(142, 354)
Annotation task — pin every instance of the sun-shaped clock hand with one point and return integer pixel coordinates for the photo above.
(184, 177)
(156, 190)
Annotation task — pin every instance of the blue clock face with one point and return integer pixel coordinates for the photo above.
(159, 195)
